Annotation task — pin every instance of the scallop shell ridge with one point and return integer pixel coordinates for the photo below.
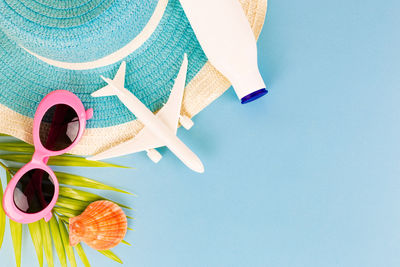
(102, 226)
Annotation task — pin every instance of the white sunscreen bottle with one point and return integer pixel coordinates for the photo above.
(228, 41)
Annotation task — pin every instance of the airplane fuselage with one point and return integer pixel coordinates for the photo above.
(159, 129)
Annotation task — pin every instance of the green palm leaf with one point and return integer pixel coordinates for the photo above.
(65, 239)
(47, 245)
(76, 180)
(2, 217)
(111, 255)
(71, 202)
(60, 161)
(17, 146)
(79, 162)
(80, 181)
(67, 212)
(84, 196)
(65, 219)
(58, 244)
(126, 243)
(36, 235)
(82, 255)
(16, 236)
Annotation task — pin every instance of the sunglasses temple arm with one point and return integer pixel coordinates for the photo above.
(89, 114)
(48, 216)
(45, 160)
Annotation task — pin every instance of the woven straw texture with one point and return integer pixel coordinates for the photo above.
(33, 31)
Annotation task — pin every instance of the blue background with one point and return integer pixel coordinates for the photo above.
(306, 176)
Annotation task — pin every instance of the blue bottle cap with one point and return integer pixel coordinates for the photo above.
(253, 96)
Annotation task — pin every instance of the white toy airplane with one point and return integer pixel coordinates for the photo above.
(160, 129)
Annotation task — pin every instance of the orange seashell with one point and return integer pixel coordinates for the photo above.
(101, 226)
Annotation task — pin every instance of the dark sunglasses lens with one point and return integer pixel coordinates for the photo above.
(34, 191)
(59, 127)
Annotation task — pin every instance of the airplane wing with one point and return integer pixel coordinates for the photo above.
(171, 111)
(143, 141)
(169, 114)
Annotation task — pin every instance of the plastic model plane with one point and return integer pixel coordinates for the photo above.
(160, 129)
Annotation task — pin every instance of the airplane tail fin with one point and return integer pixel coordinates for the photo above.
(110, 89)
(105, 91)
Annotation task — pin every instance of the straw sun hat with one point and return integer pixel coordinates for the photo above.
(47, 45)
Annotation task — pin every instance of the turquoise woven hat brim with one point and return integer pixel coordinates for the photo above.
(36, 35)
(74, 31)
(151, 70)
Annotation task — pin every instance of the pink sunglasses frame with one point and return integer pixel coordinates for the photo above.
(41, 155)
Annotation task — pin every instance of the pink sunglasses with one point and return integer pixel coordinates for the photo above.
(59, 123)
